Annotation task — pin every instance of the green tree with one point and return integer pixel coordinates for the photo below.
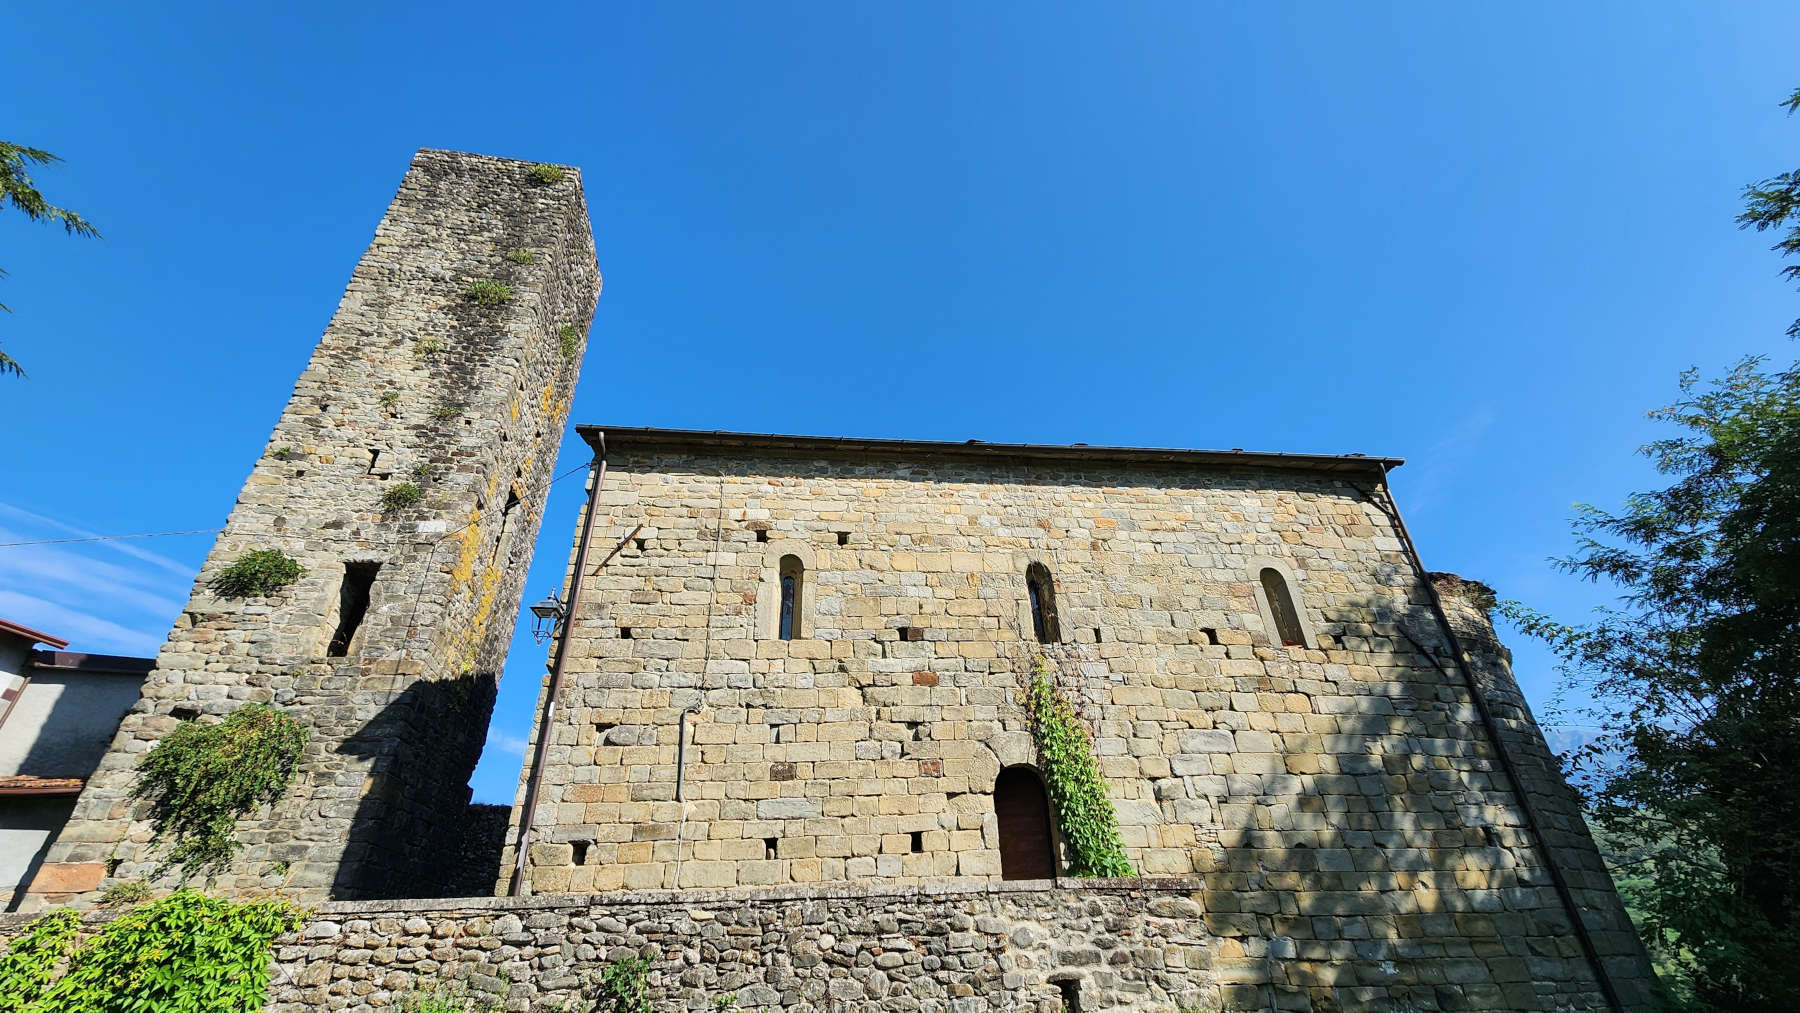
(17, 189)
(1695, 674)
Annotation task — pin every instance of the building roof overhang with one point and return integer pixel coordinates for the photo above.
(35, 636)
(696, 441)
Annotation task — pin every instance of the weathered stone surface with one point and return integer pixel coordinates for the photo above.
(1339, 792)
(412, 382)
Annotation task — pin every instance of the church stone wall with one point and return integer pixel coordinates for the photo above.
(412, 382)
(1339, 801)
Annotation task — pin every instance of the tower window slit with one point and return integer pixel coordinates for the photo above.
(353, 605)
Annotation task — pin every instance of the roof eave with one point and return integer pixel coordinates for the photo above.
(697, 440)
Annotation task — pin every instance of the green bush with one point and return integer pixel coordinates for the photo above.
(488, 293)
(31, 961)
(201, 778)
(400, 496)
(430, 346)
(257, 573)
(444, 412)
(625, 986)
(186, 952)
(571, 341)
(521, 256)
(390, 399)
(546, 173)
(1084, 810)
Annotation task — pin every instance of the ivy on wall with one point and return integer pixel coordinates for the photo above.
(186, 952)
(1084, 810)
(201, 778)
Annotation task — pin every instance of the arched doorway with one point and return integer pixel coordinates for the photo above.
(1027, 849)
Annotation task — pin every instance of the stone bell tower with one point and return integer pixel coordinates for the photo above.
(448, 368)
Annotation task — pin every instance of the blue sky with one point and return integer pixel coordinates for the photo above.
(1486, 240)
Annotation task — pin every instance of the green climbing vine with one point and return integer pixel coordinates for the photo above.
(202, 777)
(185, 952)
(1084, 810)
(30, 963)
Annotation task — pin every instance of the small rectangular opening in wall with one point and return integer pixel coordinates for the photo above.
(353, 604)
(640, 543)
(911, 633)
(1099, 638)
(762, 534)
(1211, 635)
(769, 846)
(581, 851)
(374, 457)
(506, 523)
(1071, 995)
(624, 633)
(184, 713)
(918, 842)
(843, 538)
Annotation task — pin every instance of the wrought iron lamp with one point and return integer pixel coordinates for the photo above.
(547, 615)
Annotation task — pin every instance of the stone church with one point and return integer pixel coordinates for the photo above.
(782, 748)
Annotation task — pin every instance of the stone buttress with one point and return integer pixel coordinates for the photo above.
(415, 381)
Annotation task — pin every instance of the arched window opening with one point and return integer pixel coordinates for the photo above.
(1043, 604)
(1027, 849)
(1281, 609)
(793, 587)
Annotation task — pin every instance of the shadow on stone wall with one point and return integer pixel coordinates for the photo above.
(408, 836)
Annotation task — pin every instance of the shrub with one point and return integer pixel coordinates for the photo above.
(390, 399)
(571, 341)
(400, 496)
(488, 293)
(543, 172)
(444, 412)
(430, 346)
(256, 574)
(521, 256)
(283, 453)
(187, 951)
(625, 987)
(31, 961)
(201, 778)
(1084, 810)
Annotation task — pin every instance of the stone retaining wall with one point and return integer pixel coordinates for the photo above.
(966, 947)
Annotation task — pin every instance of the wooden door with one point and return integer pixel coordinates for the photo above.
(1027, 850)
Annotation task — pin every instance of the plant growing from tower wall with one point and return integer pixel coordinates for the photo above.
(257, 573)
(202, 778)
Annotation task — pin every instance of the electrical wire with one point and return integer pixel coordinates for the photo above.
(112, 538)
(196, 531)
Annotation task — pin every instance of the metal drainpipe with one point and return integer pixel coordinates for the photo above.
(1532, 820)
(681, 747)
(546, 722)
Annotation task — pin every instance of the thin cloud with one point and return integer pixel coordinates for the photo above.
(504, 742)
(1445, 456)
(154, 558)
(83, 631)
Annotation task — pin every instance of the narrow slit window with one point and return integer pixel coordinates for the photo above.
(1281, 608)
(793, 588)
(353, 604)
(506, 524)
(1043, 604)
